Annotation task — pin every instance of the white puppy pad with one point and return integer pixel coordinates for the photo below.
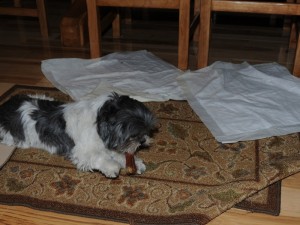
(243, 102)
(139, 74)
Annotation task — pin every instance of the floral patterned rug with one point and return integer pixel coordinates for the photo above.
(190, 178)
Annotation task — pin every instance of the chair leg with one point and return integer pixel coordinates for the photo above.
(94, 28)
(293, 36)
(183, 39)
(296, 68)
(42, 18)
(204, 33)
(116, 25)
(196, 12)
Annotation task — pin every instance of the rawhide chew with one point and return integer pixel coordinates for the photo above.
(130, 163)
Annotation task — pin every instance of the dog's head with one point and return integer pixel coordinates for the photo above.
(125, 124)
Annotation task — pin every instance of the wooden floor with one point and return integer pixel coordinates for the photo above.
(22, 49)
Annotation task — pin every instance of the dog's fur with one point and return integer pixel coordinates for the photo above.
(94, 134)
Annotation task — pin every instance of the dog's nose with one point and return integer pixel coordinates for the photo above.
(142, 141)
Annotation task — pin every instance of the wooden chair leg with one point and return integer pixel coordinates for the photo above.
(204, 33)
(196, 12)
(293, 36)
(94, 29)
(296, 68)
(116, 25)
(183, 39)
(41, 10)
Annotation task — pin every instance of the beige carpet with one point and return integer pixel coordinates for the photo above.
(190, 178)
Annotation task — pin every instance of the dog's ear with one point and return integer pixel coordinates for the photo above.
(105, 119)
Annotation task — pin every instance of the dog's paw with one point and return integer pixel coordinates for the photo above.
(111, 171)
(140, 166)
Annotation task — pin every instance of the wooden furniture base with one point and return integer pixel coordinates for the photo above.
(38, 12)
(183, 6)
(241, 6)
(73, 25)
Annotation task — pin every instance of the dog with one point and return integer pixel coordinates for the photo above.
(94, 134)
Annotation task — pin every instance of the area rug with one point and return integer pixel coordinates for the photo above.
(190, 178)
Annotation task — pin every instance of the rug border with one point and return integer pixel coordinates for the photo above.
(109, 215)
(274, 190)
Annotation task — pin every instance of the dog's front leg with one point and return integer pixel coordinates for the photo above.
(96, 161)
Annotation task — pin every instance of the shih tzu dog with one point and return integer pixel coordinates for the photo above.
(94, 134)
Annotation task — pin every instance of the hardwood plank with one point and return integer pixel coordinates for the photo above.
(240, 217)
(27, 216)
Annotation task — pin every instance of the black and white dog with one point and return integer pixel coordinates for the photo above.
(94, 134)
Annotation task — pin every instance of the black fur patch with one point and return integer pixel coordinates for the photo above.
(10, 117)
(51, 125)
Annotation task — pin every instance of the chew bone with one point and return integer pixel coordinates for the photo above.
(130, 163)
